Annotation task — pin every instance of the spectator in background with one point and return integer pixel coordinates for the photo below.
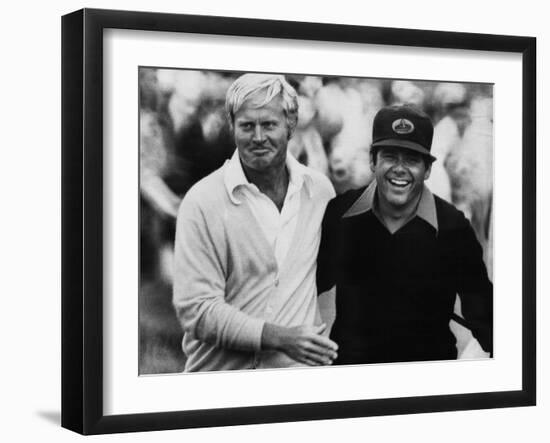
(398, 256)
(247, 238)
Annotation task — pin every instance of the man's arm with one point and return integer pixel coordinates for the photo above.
(199, 282)
(326, 257)
(153, 160)
(475, 288)
(304, 344)
(155, 190)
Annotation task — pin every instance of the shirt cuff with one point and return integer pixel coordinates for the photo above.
(252, 331)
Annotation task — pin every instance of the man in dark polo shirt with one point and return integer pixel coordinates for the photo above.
(399, 254)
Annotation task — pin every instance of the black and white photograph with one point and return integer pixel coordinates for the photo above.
(294, 220)
(278, 221)
(275, 222)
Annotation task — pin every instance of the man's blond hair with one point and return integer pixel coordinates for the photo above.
(272, 86)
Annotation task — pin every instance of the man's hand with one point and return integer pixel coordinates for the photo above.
(305, 344)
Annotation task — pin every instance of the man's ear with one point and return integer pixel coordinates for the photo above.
(428, 172)
(372, 162)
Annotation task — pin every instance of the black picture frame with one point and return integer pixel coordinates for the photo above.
(82, 220)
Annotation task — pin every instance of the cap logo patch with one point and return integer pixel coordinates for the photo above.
(402, 126)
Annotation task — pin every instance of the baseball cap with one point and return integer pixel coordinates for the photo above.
(403, 126)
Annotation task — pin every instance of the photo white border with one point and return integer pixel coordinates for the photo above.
(126, 393)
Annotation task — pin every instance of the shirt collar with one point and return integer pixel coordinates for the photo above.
(425, 210)
(234, 177)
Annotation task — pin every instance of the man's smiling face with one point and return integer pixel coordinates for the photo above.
(400, 175)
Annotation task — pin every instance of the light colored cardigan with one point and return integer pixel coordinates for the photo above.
(226, 280)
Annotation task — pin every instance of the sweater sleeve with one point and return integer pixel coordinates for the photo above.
(199, 283)
(474, 287)
(326, 265)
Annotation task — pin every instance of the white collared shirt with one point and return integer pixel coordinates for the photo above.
(227, 280)
(278, 227)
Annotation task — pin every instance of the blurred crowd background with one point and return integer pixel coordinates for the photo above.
(184, 136)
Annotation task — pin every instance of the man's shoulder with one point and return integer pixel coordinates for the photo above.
(316, 176)
(338, 206)
(208, 192)
(322, 186)
(449, 217)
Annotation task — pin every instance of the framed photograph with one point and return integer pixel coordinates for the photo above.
(178, 313)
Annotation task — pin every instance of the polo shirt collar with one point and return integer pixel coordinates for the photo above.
(234, 177)
(425, 210)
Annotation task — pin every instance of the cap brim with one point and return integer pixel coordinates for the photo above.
(404, 144)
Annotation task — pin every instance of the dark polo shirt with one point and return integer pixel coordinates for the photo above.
(395, 292)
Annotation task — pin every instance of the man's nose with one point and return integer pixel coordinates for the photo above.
(399, 164)
(259, 134)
